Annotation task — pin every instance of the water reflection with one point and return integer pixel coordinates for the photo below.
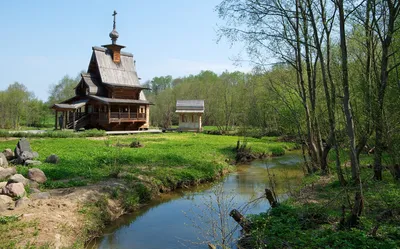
(162, 223)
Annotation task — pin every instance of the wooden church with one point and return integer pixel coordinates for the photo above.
(109, 96)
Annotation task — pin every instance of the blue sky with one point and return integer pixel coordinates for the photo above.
(44, 40)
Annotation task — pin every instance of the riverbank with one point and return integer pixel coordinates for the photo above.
(315, 216)
(103, 178)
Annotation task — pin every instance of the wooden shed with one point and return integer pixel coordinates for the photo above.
(190, 114)
(109, 95)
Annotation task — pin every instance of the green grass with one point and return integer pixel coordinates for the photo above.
(166, 158)
(13, 231)
(315, 222)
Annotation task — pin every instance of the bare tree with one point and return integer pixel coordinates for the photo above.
(385, 14)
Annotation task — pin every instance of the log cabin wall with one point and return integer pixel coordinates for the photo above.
(124, 93)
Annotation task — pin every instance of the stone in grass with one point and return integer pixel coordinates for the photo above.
(35, 155)
(22, 145)
(9, 154)
(14, 189)
(22, 202)
(18, 178)
(40, 195)
(37, 175)
(3, 160)
(33, 184)
(34, 190)
(53, 158)
(32, 163)
(7, 172)
(6, 202)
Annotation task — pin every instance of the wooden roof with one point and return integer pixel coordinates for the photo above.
(119, 101)
(118, 74)
(95, 87)
(72, 106)
(187, 106)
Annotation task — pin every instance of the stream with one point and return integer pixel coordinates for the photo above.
(180, 219)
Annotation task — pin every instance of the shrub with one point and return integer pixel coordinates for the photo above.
(277, 151)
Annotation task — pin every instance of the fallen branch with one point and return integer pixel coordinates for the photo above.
(241, 220)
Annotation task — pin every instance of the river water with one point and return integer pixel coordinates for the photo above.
(188, 218)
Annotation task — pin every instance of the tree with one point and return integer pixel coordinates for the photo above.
(159, 84)
(15, 103)
(384, 17)
(63, 90)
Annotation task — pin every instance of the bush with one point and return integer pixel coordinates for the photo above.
(54, 134)
(277, 151)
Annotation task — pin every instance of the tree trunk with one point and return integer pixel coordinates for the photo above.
(393, 9)
(271, 198)
(356, 211)
(241, 220)
(355, 171)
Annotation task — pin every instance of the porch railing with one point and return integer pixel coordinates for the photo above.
(125, 115)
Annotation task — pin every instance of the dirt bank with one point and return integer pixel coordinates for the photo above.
(72, 216)
(59, 221)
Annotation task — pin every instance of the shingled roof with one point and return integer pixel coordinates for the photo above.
(116, 74)
(95, 87)
(119, 101)
(187, 106)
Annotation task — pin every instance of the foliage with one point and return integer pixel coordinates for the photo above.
(304, 224)
(63, 90)
(19, 107)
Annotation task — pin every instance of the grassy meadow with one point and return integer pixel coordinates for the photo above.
(166, 158)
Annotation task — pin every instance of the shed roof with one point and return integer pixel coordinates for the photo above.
(73, 106)
(189, 111)
(190, 105)
(120, 74)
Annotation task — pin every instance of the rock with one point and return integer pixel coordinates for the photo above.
(18, 178)
(26, 155)
(35, 190)
(14, 189)
(5, 202)
(7, 172)
(23, 152)
(32, 163)
(37, 175)
(2, 184)
(3, 160)
(53, 158)
(33, 184)
(41, 195)
(35, 155)
(23, 202)
(22, 145)
(9, 154)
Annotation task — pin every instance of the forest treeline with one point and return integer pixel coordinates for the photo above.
(339, 77)
(19, 107)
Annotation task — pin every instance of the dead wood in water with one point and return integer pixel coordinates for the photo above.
(241, 220)
(211, 246)
(273, 202)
